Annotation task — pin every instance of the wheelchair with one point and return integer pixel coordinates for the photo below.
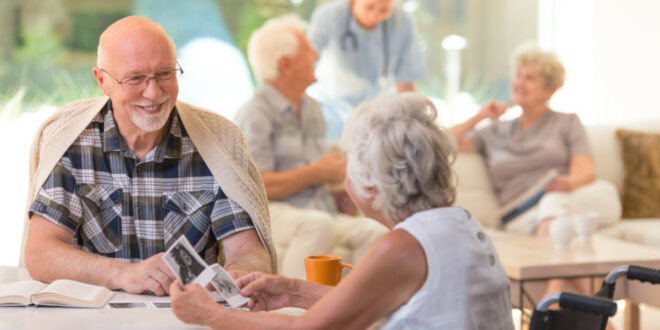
(587, 312)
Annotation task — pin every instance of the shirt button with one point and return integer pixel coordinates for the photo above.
(42, 209)
(185, 208)
(141, 241)
(491, 259)
(481, 236)
(138, 205)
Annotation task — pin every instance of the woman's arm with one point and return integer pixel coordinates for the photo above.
(271, 292)
(580, 173)
(390, 273)
(492, 109)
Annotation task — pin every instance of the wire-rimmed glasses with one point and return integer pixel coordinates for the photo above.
(138, 79)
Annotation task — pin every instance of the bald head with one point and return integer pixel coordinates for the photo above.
(125, 39)
(137, 49)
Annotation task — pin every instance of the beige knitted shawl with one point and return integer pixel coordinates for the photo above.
(219, 142)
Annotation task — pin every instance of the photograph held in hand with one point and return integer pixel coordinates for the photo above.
(186, 264)
(188, 267)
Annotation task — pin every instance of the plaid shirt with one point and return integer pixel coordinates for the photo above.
(120, 207)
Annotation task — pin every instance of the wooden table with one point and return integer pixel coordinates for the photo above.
(104, 318)
(531, 259)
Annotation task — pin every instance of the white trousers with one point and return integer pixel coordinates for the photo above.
(600, 197)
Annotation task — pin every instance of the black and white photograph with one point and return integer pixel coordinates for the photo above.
(184, 262)
(226, 286)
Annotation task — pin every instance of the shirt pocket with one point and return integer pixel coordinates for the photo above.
(102, 216)
(189, 213)
(289, 151)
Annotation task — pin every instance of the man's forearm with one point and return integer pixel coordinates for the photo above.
(283, 184)
(49, 261)
(249, 261)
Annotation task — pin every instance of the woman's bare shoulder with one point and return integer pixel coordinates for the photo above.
(400, 251)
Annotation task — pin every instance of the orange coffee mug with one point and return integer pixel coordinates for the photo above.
(325, 269)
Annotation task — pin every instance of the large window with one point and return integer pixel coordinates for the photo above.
(47, 50)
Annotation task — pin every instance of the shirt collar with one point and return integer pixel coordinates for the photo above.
(276, 100)
(170, 147)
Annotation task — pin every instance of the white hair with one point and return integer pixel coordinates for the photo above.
(276, 38)
(393, 144)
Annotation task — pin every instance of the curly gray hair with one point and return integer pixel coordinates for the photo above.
(547, 63)
(393, 144)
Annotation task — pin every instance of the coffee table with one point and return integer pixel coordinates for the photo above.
(528, 259)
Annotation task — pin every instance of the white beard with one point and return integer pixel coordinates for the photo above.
(151, 123)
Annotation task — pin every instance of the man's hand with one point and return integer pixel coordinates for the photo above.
(331, 167)
(492, 110)
(562, 183)
(149, 275)
(267, 291)
(192, 304)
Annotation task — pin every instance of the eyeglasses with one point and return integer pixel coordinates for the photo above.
(139, 79)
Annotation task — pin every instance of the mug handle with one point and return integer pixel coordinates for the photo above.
(343, 265)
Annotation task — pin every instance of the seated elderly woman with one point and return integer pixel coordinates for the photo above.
(521, 151)
(435, 268)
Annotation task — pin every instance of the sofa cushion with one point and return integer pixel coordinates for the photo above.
(474, 191)
(641, 158)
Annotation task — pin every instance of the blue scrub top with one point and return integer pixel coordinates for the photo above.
(348, 75)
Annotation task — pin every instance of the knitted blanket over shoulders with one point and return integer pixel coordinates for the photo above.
(220, 143)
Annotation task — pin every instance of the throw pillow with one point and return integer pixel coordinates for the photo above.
(641, 161)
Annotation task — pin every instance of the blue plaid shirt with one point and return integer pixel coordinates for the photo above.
(120, 207)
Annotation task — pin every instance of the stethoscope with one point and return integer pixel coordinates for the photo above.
(350, 35)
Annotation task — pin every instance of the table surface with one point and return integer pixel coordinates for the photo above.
(529, 258)
(104, 318)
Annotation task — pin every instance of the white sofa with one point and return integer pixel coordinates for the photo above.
(476, 194)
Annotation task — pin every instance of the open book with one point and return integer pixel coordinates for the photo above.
(528, 198)
(59, 293)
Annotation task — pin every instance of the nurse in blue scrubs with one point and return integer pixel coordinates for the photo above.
(367, 48)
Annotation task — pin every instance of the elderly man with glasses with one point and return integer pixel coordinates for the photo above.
(117, 180)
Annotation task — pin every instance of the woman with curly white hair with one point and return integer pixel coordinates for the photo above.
(436, 268)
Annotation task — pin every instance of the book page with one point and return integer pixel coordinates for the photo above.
(10, 291)
(529, 193)
(73, 289)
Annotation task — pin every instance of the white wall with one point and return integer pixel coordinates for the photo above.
(627, 61)
(611, 50)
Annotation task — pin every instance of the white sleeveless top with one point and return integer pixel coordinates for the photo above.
(465, 287)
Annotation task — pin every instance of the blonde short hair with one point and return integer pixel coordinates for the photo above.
(547, 63)
(274, 39)
(393, 144)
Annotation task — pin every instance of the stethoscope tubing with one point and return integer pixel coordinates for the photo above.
(348, 34)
